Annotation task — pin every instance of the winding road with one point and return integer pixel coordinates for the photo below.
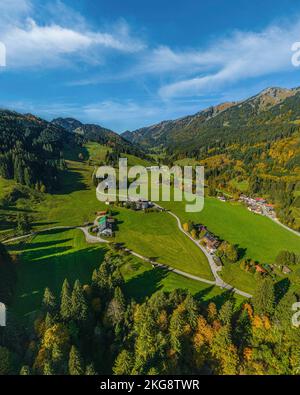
(95, 239)
(214, 268)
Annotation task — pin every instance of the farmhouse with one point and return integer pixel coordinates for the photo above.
(105, 226)
(211, 242)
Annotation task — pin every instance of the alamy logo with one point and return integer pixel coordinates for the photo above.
(2, 55)
(2, 314)
(165, 184)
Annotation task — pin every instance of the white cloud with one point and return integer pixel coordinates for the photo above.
(30, 43)
(240, 56)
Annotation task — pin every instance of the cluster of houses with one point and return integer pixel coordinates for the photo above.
(104, 224)
(137, 204)
(258, 206)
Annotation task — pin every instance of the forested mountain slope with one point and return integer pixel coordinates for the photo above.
(96, 133)
(264, 117)
(254, 144)
(31, 150)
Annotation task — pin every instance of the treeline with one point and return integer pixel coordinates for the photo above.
(95, 329)
(31, 150)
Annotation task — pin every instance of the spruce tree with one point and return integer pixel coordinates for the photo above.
(79, 304)
(66, 302)
(49, 301)
(25, 371)
(90, 370)
(48, 369)
(75, 363)
(123, 364)
(264, 298)
(226, 312)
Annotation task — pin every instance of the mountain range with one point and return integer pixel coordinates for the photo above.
(269, 114)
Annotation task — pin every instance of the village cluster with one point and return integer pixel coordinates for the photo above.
(258, 206)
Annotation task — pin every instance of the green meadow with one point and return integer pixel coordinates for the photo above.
(257, 236)
(156, 236)
(153, 235)
(46, 260)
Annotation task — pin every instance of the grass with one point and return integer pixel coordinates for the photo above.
(258, 237)
(242, 186)
(46, 260)
(156, 236)
(135, 161)
(97, 152)
(142, 281)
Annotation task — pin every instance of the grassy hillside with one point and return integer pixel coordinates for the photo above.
(49, 258)
(261, 238)
(46, 260)
(156, 235)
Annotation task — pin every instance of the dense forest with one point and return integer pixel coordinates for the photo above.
(98, 134)
(95, 329)
(31, 150)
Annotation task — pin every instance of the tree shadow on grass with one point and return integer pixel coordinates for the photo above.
(22, 246)
(54, 231)
(145, 284)
(18, 209)
(44, 223)
(281, 288)
(219, 300)
(70, 181)
(201, 294)
(41, 254)
(35, 276)
(241, 252)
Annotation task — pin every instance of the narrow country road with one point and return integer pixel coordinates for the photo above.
(282, 225)
(171, 269)
(214, 268)
(37, 232)
(90, 238)
(95, 239)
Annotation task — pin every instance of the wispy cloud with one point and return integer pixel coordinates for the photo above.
(32, 43)
(242, 55)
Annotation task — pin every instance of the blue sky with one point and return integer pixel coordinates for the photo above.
(129, 63)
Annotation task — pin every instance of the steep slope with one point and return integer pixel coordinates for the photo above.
(31, 149)
(96, 133)
(161, 133)
(255, 119)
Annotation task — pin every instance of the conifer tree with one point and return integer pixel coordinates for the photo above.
(90, 370)
(66, 302)
(79, 304)
(75, 363)
(264, 299)
(25, 370)
(49, 301)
